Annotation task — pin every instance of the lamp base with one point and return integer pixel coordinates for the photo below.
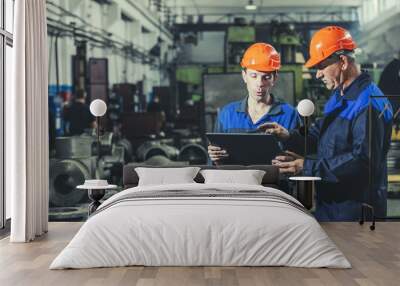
(95, 196)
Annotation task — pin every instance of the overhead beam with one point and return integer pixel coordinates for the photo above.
(150, 18)
(338, 16)
(185, 28)
(242, 10)
(263, 3)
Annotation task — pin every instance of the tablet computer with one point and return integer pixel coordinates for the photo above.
(247, 148)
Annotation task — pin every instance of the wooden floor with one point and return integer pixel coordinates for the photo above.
(375, 256)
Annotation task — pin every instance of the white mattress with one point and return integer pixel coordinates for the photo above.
(189, 231)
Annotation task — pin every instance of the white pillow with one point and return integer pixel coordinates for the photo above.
(249, 177)
(164, 176)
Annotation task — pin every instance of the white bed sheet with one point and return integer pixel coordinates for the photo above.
(200, 232)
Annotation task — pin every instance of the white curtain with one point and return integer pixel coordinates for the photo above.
(27, 124)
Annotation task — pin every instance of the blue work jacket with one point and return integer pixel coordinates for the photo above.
(341, 145)
(234, 117)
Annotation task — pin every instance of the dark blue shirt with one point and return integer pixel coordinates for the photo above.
(234, 117)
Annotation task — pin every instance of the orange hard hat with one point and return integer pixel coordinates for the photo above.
(261, 57)
(327, 41)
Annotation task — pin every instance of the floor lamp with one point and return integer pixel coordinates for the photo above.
(96, 188)
(98, 108)
(306, 109)
(305, 184)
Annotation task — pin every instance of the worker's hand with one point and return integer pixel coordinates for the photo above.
(276, 129)
(217, 153)
(290, 162)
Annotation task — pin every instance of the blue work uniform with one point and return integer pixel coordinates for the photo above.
(341, 143)
(234, 117)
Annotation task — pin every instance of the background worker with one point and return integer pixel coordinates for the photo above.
(260, 64)
(340, 139)
(77, 115)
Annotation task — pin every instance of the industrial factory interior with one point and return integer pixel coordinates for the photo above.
(199, 142)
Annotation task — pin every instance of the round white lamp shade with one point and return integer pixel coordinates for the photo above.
(305, 107)
(98, 107)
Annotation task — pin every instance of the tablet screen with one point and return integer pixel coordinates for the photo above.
(247, 148)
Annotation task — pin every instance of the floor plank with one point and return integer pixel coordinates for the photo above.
(374, 255)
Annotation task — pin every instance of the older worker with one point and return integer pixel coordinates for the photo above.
(341, 139)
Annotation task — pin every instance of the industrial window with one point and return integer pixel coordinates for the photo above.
(6, 63)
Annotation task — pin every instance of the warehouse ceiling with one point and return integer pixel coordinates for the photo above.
(233, 6)
(212, 10)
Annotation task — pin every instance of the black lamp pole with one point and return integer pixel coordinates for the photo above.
(98, 137)
(305, 135)
(98, 108)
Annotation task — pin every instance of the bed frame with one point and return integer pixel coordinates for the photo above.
(270, 179)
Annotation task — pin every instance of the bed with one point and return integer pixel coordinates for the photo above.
(201, 224)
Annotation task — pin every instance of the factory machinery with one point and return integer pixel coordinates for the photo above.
(76, 161)
(389, 83)
(393, 165)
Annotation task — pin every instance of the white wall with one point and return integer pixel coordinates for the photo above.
(108, 17)
(372, 10)
(380, 29)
